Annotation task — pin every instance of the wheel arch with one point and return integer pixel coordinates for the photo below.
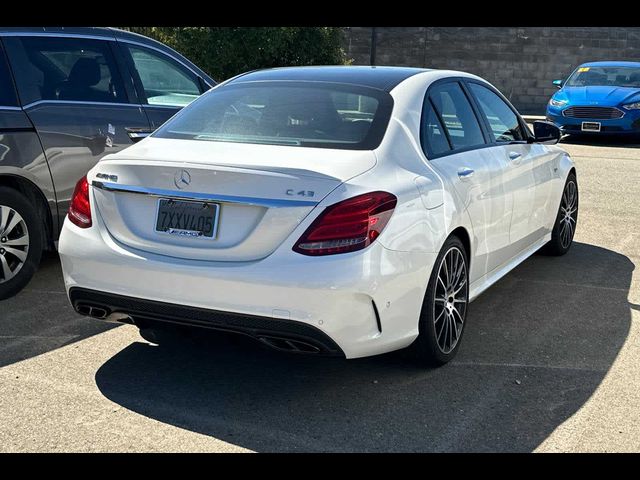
(565, 166)
(462, 234)
(31, 191)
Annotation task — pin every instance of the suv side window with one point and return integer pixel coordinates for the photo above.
(164, 81)
(73, 69)
(502, 120)
(458, 117)
(7, 90)
(432, 135)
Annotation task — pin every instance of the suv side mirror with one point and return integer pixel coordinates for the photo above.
(558, 83)
(546, 132)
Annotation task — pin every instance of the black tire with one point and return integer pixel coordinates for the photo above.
(427, 349)
(19, 203)
(560, 242)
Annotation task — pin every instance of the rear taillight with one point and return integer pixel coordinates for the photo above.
(80, 209)
(348, 226)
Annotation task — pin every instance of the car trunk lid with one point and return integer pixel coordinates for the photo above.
(258, 194)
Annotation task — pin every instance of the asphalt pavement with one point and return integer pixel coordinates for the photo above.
(550, 361)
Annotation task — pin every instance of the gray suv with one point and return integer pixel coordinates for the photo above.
(68, 96)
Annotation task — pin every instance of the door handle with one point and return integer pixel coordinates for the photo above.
(137, 134)
(465, 172)
(515, 157)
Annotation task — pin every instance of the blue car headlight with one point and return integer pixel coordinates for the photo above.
(558, 103)
(632, 106)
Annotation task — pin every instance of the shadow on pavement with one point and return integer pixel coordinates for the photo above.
(536, 347)
(40, 318)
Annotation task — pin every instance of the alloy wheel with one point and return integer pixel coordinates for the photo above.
(568, 213)
(14, 243)
(451, 298)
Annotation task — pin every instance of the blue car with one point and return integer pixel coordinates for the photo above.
(598, 97)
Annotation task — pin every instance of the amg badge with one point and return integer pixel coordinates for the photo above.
(107, 176)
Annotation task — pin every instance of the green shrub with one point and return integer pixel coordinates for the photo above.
(226, 51)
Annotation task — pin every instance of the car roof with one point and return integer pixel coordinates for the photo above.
(382, 78)
(106, 33)
(611, 64)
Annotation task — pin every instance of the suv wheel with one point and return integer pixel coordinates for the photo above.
(20, 242)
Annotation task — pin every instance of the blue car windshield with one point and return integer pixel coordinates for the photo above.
(605, 76)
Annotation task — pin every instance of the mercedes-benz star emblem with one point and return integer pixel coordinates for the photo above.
(182, 179)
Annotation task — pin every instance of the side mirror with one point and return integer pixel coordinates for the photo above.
(558, 83)
(546, 132)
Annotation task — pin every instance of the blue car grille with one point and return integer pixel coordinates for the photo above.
(603, 113)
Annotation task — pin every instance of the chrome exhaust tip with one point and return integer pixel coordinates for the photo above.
(92, 311)
(98, 312)
(103, 313)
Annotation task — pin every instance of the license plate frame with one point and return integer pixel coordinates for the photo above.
(591, 127)
(186, 232)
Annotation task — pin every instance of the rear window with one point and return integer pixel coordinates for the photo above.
(303, 114)
(70, 69)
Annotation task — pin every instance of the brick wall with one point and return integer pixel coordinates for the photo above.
(520, 61)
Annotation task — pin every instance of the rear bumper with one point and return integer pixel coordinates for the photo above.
(359, 304)
(289, 335)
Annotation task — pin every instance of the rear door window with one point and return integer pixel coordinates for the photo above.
(67, 69)
(458, 117)
(7, 90)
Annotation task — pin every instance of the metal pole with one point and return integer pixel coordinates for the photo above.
(372, 59)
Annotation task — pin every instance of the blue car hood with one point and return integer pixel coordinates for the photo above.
(599, 95)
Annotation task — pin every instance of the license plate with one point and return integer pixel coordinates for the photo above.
(186, 218)
(590, 126)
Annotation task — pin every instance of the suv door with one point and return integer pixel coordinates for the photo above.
(164, 84)
(73, 91)
(26, 191)
(455, 144)
(529, 167)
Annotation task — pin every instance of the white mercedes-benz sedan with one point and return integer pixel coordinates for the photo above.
(332, 210)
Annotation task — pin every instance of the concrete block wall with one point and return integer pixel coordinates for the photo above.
(520, 61)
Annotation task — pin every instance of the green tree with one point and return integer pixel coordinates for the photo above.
(227, 51)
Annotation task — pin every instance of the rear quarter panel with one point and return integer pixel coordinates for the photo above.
(427, 212)
(21, 155)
